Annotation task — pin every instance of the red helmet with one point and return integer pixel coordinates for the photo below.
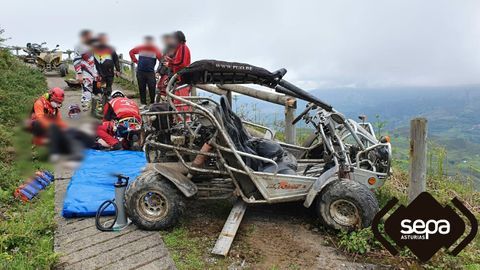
(56, 94)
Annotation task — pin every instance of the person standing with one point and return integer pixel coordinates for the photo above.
(181, 59)
(148, 54)
(84, 64)
(165, 73)
(106, 61)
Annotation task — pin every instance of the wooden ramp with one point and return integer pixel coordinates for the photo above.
(82, 246)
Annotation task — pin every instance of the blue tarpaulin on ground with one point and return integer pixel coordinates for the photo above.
(92, 183)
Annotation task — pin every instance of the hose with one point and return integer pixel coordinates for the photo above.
(100, 210)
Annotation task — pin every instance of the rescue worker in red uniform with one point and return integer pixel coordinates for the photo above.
(121, 121)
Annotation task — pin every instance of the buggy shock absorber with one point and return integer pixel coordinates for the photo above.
(120, 220)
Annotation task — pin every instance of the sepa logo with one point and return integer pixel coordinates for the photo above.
(425, 226)
(420, 230)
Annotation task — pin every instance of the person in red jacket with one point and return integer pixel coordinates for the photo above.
(120, 107)
(179, 62)
(121, 123)
(182, 53)
(148, 54)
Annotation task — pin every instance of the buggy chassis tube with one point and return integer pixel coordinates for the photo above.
(170, 96)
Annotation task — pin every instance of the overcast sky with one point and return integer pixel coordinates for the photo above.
(322, 44)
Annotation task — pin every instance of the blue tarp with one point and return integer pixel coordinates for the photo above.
(92, 183)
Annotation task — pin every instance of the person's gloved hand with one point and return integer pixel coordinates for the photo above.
(117, 146)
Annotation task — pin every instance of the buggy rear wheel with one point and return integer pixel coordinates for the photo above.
(346, 205)
(152, 203)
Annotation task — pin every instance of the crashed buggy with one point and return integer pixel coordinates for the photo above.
(198, 148)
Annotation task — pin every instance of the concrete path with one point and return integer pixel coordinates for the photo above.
(82, 246)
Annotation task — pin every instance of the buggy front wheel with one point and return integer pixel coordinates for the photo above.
(153, 203)
(346, 205)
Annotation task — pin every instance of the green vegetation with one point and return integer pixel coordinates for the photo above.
(190, 243)
(187, 251)
(125, 84)
(26, 229)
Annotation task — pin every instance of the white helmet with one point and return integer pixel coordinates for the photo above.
(117, 93)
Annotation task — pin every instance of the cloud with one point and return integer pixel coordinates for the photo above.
(322, 43)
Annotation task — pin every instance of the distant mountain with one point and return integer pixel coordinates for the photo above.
(453, 114)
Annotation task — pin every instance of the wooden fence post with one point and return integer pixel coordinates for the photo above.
(418, 157)
(230, 98)
(290, 132)
(134, 75)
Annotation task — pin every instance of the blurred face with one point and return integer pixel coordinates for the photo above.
(171, 41)
(85, 38)
(103, 39)
(149, 41)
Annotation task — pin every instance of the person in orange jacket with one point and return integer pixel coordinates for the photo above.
(45, 113)
(47, 126)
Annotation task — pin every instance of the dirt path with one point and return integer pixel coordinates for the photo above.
(283, 236)
(81, 245)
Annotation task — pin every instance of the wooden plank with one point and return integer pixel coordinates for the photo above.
(269, 96)
(418, 157)
(230, 228)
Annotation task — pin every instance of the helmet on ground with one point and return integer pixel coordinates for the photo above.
(56, 94)
(117, 93)
(74, 111)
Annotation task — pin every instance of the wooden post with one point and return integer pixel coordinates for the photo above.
(193, 91)
(230, 98)
(418, 157)
(134, 75)
(290, 132)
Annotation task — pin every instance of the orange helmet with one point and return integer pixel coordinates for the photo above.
(56, 94)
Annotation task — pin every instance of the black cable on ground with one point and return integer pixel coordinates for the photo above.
(100, 210)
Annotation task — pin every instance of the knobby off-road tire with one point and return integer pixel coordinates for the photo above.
(153, 203)
(346, 205)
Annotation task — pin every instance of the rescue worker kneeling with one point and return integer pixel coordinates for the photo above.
(47, 126)
(121, 124)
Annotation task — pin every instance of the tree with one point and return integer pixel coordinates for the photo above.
(379, 124)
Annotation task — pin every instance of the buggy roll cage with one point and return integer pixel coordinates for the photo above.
(219, 72)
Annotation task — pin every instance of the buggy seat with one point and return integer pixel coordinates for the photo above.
(244, 142)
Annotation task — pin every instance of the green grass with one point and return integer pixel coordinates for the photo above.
(187, 251)
(26, 229)
(127, 85)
